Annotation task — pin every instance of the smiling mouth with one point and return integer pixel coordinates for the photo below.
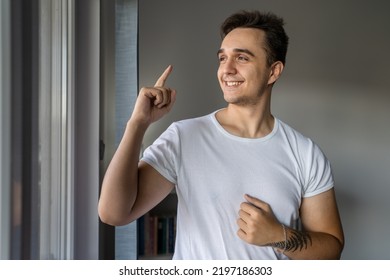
(233, 84)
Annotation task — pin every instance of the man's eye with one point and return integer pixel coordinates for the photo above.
(222, 58)
(242, 58)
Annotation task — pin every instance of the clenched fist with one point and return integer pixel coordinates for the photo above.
(257, 223)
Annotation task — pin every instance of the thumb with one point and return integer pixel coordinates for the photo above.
(173, 99)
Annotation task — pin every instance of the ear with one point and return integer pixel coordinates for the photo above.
(276, 72)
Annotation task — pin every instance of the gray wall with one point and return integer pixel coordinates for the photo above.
(335, 89)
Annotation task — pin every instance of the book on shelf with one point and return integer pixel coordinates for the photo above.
(156, 235)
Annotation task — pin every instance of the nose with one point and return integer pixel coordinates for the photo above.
(228, 66)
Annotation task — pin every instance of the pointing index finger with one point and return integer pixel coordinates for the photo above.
(161, 81)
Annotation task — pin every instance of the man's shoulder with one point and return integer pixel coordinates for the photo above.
(299, 141)
(293, 134)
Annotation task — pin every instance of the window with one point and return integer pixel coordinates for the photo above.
(5, 130)
(119, 89)
(49, 129)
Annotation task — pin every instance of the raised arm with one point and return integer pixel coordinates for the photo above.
(130, 188)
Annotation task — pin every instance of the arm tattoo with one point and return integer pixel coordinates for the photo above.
(296, 240)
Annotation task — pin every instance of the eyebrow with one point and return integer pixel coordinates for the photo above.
(237, 50)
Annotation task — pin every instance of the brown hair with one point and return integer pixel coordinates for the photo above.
(276, 38)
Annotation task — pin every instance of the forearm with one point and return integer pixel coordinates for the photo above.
(120, 183)
(309, 245)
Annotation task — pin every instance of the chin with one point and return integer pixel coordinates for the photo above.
(239, 101)
(230, 99)
(236, 101)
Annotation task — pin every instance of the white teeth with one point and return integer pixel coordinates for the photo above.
(232, 84)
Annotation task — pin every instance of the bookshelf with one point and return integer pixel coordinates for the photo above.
(156, 230)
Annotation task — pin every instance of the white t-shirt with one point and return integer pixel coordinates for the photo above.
(213, 169)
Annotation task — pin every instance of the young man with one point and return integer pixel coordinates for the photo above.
(248, 185)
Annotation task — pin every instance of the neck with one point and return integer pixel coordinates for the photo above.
(246, 121)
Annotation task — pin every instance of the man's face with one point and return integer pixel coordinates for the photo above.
(243, 73)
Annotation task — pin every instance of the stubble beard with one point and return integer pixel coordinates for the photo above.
(241, 101)
(245, 100)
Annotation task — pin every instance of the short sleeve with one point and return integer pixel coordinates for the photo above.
(318, 177)
(163, 154)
